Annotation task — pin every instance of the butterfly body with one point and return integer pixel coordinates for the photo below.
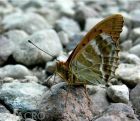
(95, 58)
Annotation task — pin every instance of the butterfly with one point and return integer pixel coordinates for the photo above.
(95, 58)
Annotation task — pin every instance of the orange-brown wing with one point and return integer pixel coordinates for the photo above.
(112, 26)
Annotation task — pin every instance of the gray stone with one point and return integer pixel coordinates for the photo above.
(98, 98)
(63, 38)
(29, 119)
(135, 33)
(135, 98)
(50, 66)
(126, 45)
(29, 22)
(67, 25)
(127, 19)
(91, 22)
(124, 34)
(112, 9)
(83, 12)
(14, 71)
(75, 40)
(6, 80)
(6, 49)
(5, 7)
(3, 109)
(9, 117)
(135, 17)
(19, 3)
(57, 105)
(129, 74)
(118, 112)
(28, 3)
(31, 78)
(29, 55)
(129, 58)
(137, 41)
(22, 97)
(118, 93)
(16, 36)
(52, 80)
(40, 73)
(135, 50)
(49, 14)
(62, 57)
(65, 7)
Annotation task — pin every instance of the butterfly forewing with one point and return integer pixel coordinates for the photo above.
(111, 26)
(95, 58)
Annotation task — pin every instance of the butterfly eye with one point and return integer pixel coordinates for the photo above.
(83, 44)
(100, 30)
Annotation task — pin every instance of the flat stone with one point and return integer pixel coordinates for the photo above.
(65, 7)
(129, 74)
(135, 50)
(3, 109)
(135, 33)
(50, 66)
(83, 12)
(98, 95)
(118, 112)
(135, 99)
(67, 25)
(126, 45)
(126, 57)
(30, 55)
(16, 36)
(22, 97)
(118, 93)
(135, 17)
(5, 8)
(6, 49)
(91, 22)
(63, 38)
(56, 105)
(9, 117)
(137, 41)
(29, 22)
(14, 71)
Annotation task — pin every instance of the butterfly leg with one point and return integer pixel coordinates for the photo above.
(87, 95)
(69, 85)
(52, 81)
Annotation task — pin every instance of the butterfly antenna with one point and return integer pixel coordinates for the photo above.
(42, 50)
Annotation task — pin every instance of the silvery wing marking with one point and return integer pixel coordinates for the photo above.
(97, 61)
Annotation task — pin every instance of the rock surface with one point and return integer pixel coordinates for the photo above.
(29, 22)
(22, 97)
(118, 93)
(129, 74)
(14, 71)
(56, 27)
(135, 98)
(29, 55)
(65, 104)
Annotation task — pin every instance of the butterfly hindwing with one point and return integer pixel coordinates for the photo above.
(95, 58)
(96, 62)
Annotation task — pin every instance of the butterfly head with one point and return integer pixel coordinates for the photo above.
(62, 70)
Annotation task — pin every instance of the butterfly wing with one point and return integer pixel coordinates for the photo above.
(111, 25)
(96, 56)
